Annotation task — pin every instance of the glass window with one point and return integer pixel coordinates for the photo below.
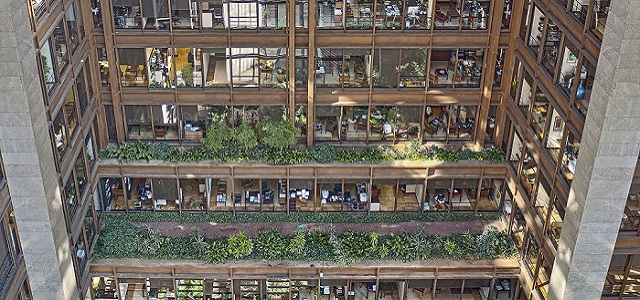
(301, 122)
(554, 135)
(359, 14)
(61, 136)
(464, 192)
(155, 14)
(188, 66)
(556, 220)
(475, 14)
(196, 193)
(537, 25)
(194, 121)
(245, 67)
(331, 14)
(517, 70)
(443, 64)
(302, 13)
(160, 288)
(413, 66)
(447, 15)
(165, 122)
(81, 174)
(356, 68)
(579, 8)
(138, 122)
(517, 226)
(91, 150)
(585, 85)
(184, 14)
(60, 47)
(70, 112)
(165, 194)
(126, 14)
(214, 13)
(382, 123)
(506, 14)
(613, 285)
(104, 288)
(301, 67)
(273, 14)
(48, 66)
(71, 197)
(104, 66)
(436, 120)
(385, 68)
(75, 27)
(568, 64)
(133, 67)
(539, 114)
(96, 13)
(273, 67)
(418, 14)
(541, 204)
(407, 120)
(111, 123)
(497, 76)
(462, 122)
(39, 7)
(551, 46)
(83, 98)
(328, 67)
(389, 14)
(532, 254)
(81, 253)
(516, 150)
(529, 172)
(570, 156)
(544, 274)
(600, 13)
(112, 193)
(353, 125)
(160, 67)
(216, 65)
(411, 195)
(139, 193)
(243, 14)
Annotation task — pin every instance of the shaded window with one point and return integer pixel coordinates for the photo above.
(385, 68)
(133, 67)
(74, 27)
(48, 66)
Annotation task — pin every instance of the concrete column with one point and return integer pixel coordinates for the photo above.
(608, 155)
(28, 157)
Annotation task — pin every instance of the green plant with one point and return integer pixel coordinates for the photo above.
(187, 75)
(277, 135)
(239, 245)
(297, 244)
(271, 244)
(218, 137)
(372, 154)
(129, 151)
(198, 243)
(216, 253)
(324, 153)
(348, 156)
(245, 137)
(160, 151)
(148, 240)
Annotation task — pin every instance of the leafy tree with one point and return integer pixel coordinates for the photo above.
(245, 137)
(218, 137)
(278, 135)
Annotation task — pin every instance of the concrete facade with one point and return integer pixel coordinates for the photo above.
(27, 152)
(608, 155)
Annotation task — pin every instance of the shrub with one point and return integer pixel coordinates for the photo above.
(271, 244)
(198, 243)
(324, 153)
(239, 245)
(216, 253)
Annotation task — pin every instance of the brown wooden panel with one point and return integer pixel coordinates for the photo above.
(210, 96)
(204, 40)
(406, 40)
(463, 97)
(260, 97)
(140, 40)
(108, 167)
(204, 171)
(301, 172)
(395, 97)
(276, 39)
(144, 97)
(343, 39)
(343, 172)
(260, 171)
(390, 172)
(469, 40)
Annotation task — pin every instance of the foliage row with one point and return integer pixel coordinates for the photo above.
(300, 217)
(120, 239)
(241, 144)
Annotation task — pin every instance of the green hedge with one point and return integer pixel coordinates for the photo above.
(300, 217)
(120, 240)
(130, 151)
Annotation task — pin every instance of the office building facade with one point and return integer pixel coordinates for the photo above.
(550, 82)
